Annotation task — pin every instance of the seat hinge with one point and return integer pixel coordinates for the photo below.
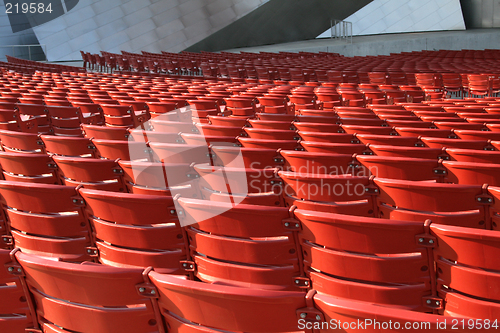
(147, 290)
(432, 302)
(291, 224)
(188, 266)
(7, 240)
(14, 269)
(310, 313)
(93, 252)
(302, 282)
(426, 240)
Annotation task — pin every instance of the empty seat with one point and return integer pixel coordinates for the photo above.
(37, 112)
(105, 133)
(223, 307)
(413, 152)
(328, 137)
(268, 144)
(33, 168)
(343, 194)
(347, 313)
(273, 104)
(275, 117)
(237, 180)
(21, 142)
(164, 110)
(473, 173)
(68, 296)
(463, 256)
(69, 146)
(403, 167)
(393, 140)
(159, 178)
(166, 126)
(16, 316)
(135, 230)
(449, 204)
(11, 120)
(335, 148)
(66, 120)
(454, 143)
(427, 132)
(270, 124)
(228, 240)
(270, 134)
(140, 135)
(124, 150)
(397, 278)
(318, 127)
(255, 158)
(214, 130)
(477, 135)
(326, 119)
(99, 174)
(227, 121)
(215, 140)
(320, 163)
(458, 126)
(180, 153)
(371, 130)
(124, 116)
(476, 156)
(47, 220)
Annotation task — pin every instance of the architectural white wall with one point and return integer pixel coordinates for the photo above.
(398, 16)
(135, 25)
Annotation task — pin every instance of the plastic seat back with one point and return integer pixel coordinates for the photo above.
(68, 295)
(92, 173)
(448, 204)
(139, 230)
(226, 307)
(374, 266)
(47, 220)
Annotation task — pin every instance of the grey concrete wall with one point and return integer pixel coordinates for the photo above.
(280, 21)
(481, 13)
(137, 25)
(393, 43)
(25, 37)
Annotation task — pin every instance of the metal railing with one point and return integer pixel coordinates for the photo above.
(341, 30)
(30, 53)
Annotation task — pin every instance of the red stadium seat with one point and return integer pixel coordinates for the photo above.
(343, 194)
(473, 173)
(69, 146)
(140, 230)
(21, 142)
(91, 173)
(33, 168)
(328, 239)
(57, 287)
(406, 168)
(225, 307)
(47, 220)
(105, 133)
(448, 204)
(459, 257)
(227, 241)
